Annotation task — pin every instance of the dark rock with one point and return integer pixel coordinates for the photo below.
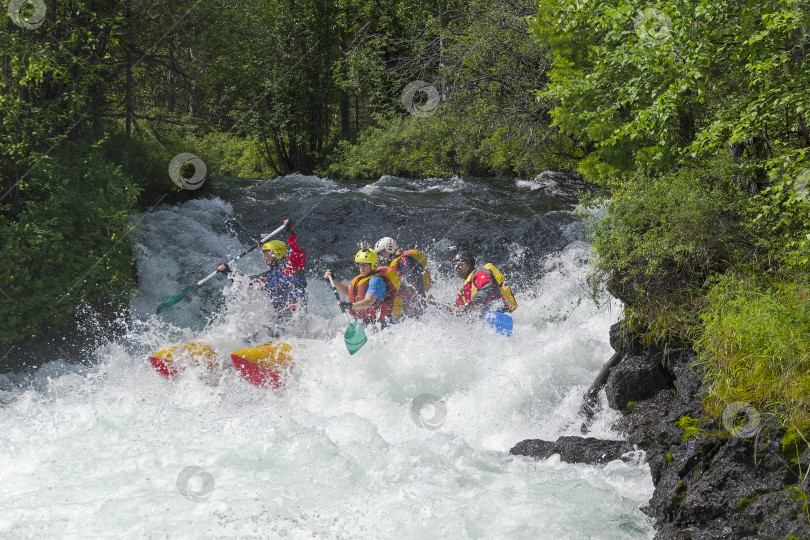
(623, 340)
(715, 486)
(574, 449)
(709, 483)
(636, 378)
(804, 462)
(688, 383)
(779, 515)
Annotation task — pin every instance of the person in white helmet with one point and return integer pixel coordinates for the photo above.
(411, 267)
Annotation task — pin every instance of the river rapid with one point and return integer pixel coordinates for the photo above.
(408, 438)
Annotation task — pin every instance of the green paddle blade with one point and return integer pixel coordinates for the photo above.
(355, 337)
(176, 298)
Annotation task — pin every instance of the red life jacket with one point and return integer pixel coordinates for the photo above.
(388, 306)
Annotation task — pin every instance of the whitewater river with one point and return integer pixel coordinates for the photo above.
(111, 449)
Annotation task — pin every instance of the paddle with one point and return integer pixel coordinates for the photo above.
(500, 322)
(446, 307)
(166, 304)
(355, 335)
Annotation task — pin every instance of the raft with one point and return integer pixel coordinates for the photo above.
(264, 365)
(169, 361)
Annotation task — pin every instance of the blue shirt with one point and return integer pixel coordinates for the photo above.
(376, 286)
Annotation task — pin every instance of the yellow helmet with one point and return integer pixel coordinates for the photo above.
(278, 248)
(367, 256)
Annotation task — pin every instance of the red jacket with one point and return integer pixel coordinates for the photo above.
(296, 258)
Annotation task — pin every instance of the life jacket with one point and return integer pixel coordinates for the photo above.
(422, 260)
(387, 307)
(496, 276)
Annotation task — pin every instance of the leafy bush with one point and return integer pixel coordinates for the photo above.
(439, 146)
(660, 238)
(756, 345)
(69, 246)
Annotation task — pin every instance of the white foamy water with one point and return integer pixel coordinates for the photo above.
(97, 451)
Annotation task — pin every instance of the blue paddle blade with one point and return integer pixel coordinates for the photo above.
(500, 322)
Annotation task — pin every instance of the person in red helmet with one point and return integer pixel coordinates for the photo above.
(411, 267)
(483, 289)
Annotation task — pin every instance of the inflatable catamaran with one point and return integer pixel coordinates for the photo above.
(264, 365)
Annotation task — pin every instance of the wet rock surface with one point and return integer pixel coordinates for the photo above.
(711, 480)
(710, 483)
(636, 378)
(575, 449)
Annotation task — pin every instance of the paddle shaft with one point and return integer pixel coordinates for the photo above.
(337, 295)
(447, 307)
(166, 304)
(262, 241)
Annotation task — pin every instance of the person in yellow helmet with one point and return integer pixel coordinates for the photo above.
(286, 284)
(374, 294)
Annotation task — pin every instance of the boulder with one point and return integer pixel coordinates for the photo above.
(575, 449)
(636, 378)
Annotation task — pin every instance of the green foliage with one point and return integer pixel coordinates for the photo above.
(783, 212)
(630, 404)
(438, 146)
(412, 147)
(233, 155)
(745, 501)
(661, 237)
(798, 495)
(696, 246)
(756, 344)
(690, 428)
(146, 155)
(71, 244)
(482, 61)
(793, 444)
(649, 84)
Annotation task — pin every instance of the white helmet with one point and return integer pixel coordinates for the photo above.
(388, 244)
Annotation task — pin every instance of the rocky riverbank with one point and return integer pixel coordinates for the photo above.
(714, 477)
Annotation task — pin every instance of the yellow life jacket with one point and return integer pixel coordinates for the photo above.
(420, 257)
(505, 290)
